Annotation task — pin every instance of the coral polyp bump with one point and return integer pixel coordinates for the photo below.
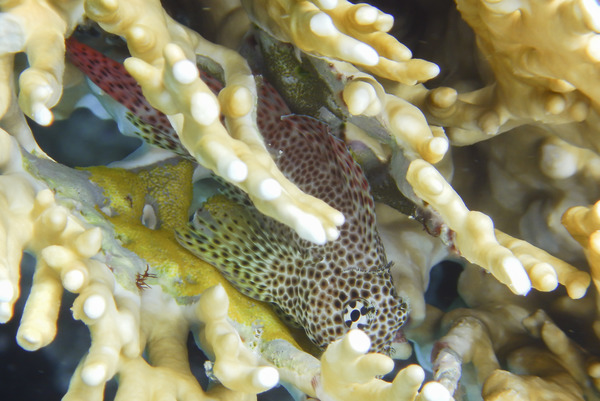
(322, 186)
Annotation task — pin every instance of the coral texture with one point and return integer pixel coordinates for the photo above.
(310, 200)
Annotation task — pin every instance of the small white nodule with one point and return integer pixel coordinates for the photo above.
(149, 218)
(94, 306)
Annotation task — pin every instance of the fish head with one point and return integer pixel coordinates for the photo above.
(355, 299)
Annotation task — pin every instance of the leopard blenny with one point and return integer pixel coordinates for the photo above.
(326, 289)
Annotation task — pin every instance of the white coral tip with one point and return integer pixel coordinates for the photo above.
(544, 276)
(438, 146)
(45, 198)
(519, 282)
(266, 377)
(366, 15)
(384, 23)
(338, 218)
(364, 54)
(591, 14)
(434, 391)
(332, 234)
(415, 373)
(430, 70)
(29, 340)
(94, 306)
(310, 228)
(94, 374)
(205, 108)
(73, 280)
(557, 162)
(185, 71)
(321, 25)
(5, 312)
(269, 189)
(7, 291)
(326, 4)
(55, 219)
(358, 341)
(235, 171)
(42, 115)
(358, 96)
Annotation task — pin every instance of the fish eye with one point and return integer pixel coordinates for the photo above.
(357, 313)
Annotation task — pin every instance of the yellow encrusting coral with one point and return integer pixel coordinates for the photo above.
(182, 274)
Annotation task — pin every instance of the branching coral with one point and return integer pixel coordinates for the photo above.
(350, 374)
(238, 155)
(38, 28)
(339, 29)
(108, 234)
(476, 336)
(161, 64)
(524, 43)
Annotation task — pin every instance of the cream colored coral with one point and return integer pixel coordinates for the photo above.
(235, 365)
(113, 322)
(556, 373)
(166, 325)
(64, 248)
(570, 356)
(497, 327)
(163, 63)
(411, 130)
(163, 328)
(355, 33)
(506, 386)
(560, 160)
(544, 270)
(492, 322)
(468, 340)
(583, 223)
(514, 262)
(526, 44)
(38, 28)
(363, 95)
(33, 221)
(531, 38)
(165, 382)
(348, 373)
(121, 323)
(474, 230)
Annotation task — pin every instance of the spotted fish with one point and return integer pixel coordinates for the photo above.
(326, 289)
(122, 97)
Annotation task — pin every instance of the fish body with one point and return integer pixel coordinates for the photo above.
(326, 289)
